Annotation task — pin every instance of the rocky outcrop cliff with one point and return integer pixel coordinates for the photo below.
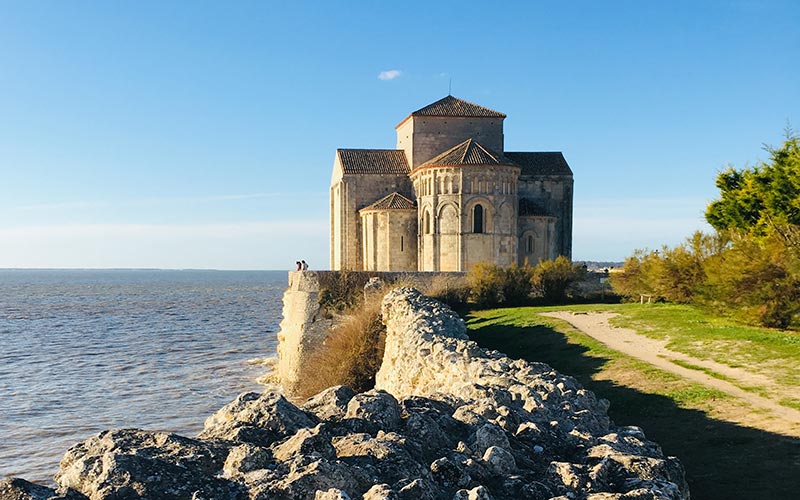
(447, 420)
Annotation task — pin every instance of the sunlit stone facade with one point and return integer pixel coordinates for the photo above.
(448, 197)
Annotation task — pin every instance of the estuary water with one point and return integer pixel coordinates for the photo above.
(82, 351)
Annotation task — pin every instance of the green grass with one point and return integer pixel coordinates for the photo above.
(689, 330)
(790, 403)
(723, 460)
(707, 371)
(521, 330)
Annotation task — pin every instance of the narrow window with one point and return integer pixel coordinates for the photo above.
(530, 244)
(426, 222)
(477, 219)
(401, 243)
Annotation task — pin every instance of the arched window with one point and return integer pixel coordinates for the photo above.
(426, 222)
(477, 219)
(529, 247)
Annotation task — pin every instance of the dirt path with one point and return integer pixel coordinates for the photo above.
(597, 326)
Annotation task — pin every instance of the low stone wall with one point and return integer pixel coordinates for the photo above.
(428, 354)
(305, 325)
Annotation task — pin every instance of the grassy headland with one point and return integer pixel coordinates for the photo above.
(723, 459)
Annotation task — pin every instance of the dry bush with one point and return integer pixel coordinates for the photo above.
(486, 284)
(553, 279)
(492, 285)
(341, 291)
(451, 290)
(352, 353)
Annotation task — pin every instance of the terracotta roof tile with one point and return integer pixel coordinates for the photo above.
(469, 152)
(393, 201)
(373, 161)
(453, 106)
(540, 163)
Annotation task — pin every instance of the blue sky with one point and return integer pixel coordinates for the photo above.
(202, 134)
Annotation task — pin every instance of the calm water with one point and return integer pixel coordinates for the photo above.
(83, 351)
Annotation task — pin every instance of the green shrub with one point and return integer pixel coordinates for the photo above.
(491, 285)
(517, 285)
(486, 284)
(553, 279)
(758, 282)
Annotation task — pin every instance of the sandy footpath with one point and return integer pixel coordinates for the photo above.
(597, 326)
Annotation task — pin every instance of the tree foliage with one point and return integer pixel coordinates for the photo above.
(762, 200)
(750, 267)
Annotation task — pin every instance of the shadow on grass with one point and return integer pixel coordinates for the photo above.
(722, 460)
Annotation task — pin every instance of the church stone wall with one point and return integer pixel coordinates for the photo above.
(553, 195)
(389, 240)
(428, 136)
(349, 195)
(537, 239)
(445, 238)
(448, 197)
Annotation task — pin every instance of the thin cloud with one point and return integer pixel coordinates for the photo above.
(63, 206)
(389, 74)
(168, 231)
(206, 199)
(148, 201)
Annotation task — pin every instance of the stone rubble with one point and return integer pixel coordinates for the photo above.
(447, 420)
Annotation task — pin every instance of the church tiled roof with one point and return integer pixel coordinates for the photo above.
(540, 163)
(453, 106)
(373, 161)
(394, 201)
(469, 152)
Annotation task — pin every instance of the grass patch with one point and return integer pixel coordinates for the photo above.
(707, 371)
(790, 403)
(723, 460)
(690, 330)
(695, 395)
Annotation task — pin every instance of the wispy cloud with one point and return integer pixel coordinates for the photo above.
(91, 204)
(389, 74)
(205, 199)
(169, 231)
(69, 205)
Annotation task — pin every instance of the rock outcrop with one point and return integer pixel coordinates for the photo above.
(448, 420)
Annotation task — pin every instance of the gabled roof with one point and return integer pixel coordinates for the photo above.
(469, 152)
(394, 201)
(453, 106)
(373, 161)
(540, 163)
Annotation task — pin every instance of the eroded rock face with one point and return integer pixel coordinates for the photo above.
(448, 421)
(130, 463)
(20, 489)
(259, 419)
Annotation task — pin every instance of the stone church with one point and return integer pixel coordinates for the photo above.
(449, 196)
